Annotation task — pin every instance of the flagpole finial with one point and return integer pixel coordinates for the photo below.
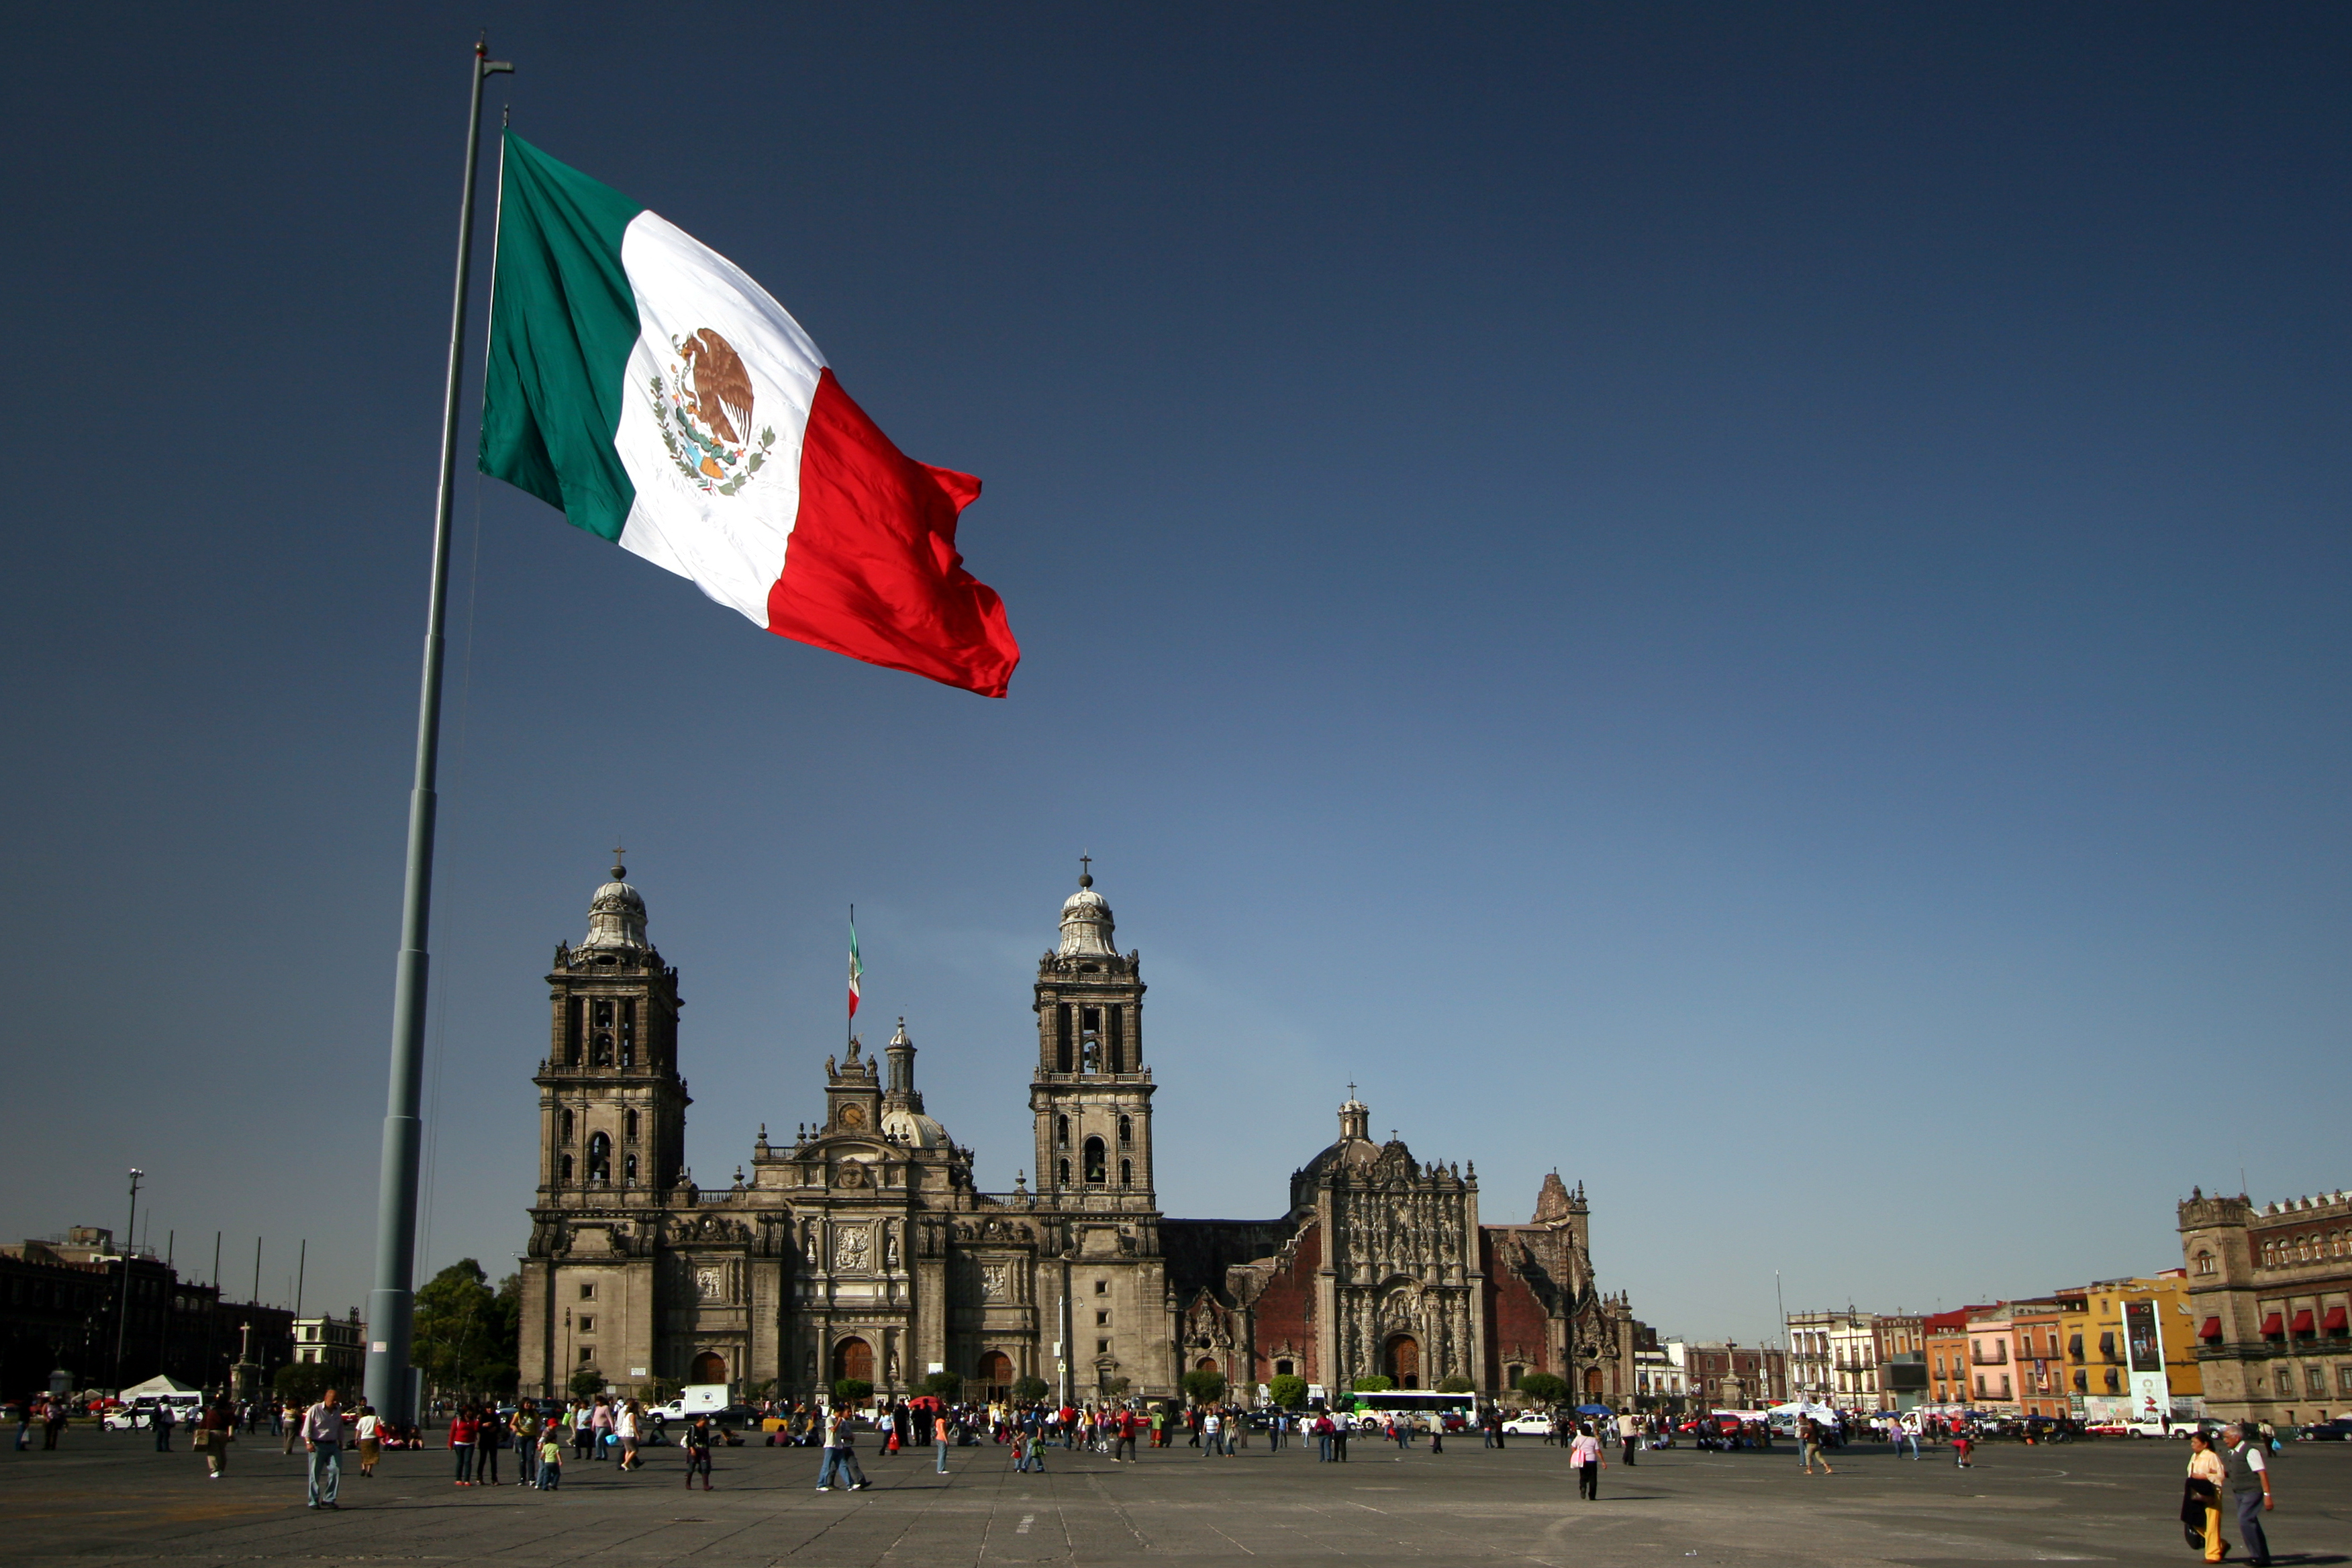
(1085, 870)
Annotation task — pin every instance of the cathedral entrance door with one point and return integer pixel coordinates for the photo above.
(997, 1371)
(1401, 1355)
(853, 1358)
(708, 1367)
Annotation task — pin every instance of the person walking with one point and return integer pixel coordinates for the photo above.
(368, 1429)
(1124, 1423)
(1339, 1425)
(1629, 1429)
(1584, 1459)
(322, 1428)
(551, 1456)
(1437, 1433)
(2200, 1510)
(163, 1420)
(624, 1427)
(53, 1423)
(215, 1428)
(1322, 1430)
(840, 1455)
(1809, 1436)
(698, 1452)
(1213, 1430)
(2248, 1474)
(523, 1426)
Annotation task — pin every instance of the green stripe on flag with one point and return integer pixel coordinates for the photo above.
(563, 322)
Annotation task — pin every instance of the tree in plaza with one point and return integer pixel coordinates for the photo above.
(1372, 1383)
(302, 1382)
(1288, 1391)
(1205, 1387)
(852, 1390)
(944, 1385)
(1029, 1390)
(468, 1337)
(586, 1383)
(1457, 1384)
(1543, 1387)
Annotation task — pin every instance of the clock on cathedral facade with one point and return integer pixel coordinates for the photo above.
(861, 1248)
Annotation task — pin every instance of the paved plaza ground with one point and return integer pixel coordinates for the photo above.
(102, 1499)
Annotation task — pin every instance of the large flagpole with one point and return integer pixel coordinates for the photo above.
(391, 1305)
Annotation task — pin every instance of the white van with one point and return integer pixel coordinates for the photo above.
(697, 1399)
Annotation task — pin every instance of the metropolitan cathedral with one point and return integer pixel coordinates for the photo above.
(861, 1248)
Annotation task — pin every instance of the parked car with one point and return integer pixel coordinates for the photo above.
(2336, 1431)
(1528, 1424)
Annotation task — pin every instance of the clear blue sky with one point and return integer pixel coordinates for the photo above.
(1747, 602)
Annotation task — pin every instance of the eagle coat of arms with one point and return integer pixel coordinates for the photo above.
(703, 406)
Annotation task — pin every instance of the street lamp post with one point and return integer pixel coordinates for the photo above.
(122, 1314)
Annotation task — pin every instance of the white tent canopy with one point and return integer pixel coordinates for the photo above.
(1797, 1407)
(159, 1385)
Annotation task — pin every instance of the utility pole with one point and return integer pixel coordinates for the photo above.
(122, 1316)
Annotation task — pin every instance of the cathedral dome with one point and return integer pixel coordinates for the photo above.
(914, 1127)
(616, 915)
(1087, 921)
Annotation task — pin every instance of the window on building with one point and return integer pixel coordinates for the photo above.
(2081, 1382)
(629, 1126)
(587, 1355)
(588, 1291)
(2314, 1381)
(628, 1033)
(2344, 1379)
(1127, 1173)
(1096, 1171)
(567, 1168)
(587, 1323)
(1126, 1131)
(1102, 1320)
(2287, 1382)
(2114, 1380)
(565, 1135)
(1102, 1347)
(2005, 1386)
(2074, 1347)
(599, 1158)
(2204, 1261)
(629, 1169)
(1062, 1132)
(1062, 1172)
(1102, 1286)
(1284, 1369)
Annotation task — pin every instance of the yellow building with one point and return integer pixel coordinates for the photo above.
(2098, 1342)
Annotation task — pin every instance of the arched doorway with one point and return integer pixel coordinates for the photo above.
(1400, 1358)
(1208, 1364)
(1592, 1383)
(708, 1367)
(853, 1358)
(996, 1374)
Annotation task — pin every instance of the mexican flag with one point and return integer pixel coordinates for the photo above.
(643, 384)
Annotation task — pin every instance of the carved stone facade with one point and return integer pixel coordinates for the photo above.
(861, 1248)
(1383, 1268)
(2270, 1293)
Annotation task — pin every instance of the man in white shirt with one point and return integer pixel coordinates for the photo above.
(322, 1439)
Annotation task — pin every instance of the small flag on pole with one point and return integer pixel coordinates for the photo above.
(856, 969)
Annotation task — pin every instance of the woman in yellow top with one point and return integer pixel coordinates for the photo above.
(2205, 1464)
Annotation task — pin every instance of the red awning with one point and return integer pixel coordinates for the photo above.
(2273, 1327)
(2333, 1323)
(2211, 1330)
(2303, 1322)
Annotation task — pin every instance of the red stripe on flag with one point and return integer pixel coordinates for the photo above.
(872, 569)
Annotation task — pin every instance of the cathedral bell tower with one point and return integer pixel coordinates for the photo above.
(1092, 1094)
(612, 1105)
